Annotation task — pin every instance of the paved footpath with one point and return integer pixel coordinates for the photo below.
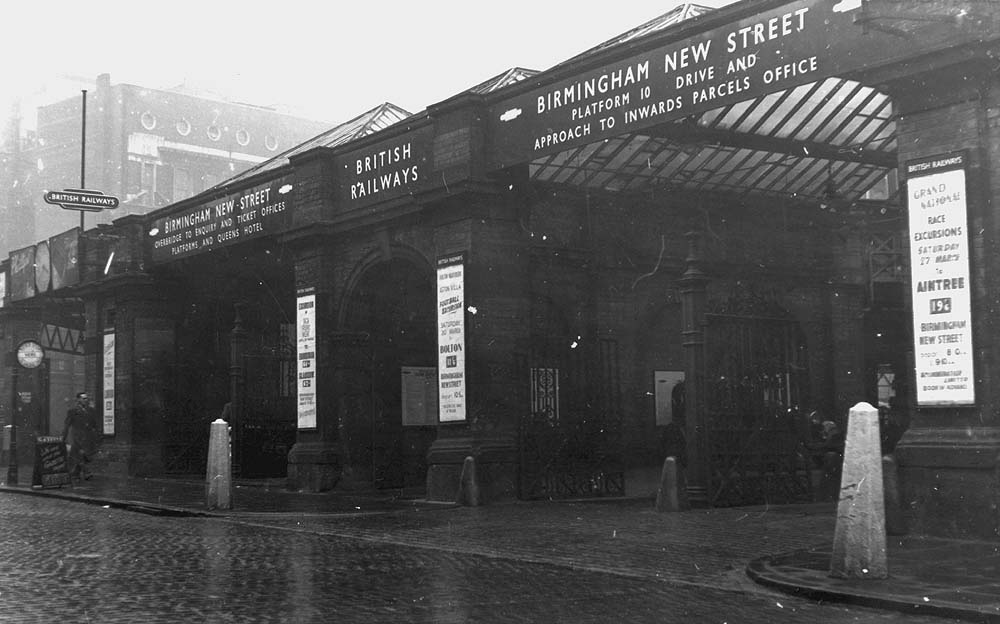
(61, 561)
(782, 547)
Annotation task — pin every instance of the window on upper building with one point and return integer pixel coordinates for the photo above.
(183, 184)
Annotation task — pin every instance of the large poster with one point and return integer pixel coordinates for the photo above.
(22, 273)
(420, 406)
(305, 330)
(451, 337)
(65, 268)
(108, 398)
(939, 264)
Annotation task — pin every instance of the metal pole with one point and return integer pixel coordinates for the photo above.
(12, 464)
(83, 151)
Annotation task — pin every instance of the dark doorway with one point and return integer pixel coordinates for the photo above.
(389, 327)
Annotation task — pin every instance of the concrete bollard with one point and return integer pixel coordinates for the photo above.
(859, 540)
(468, 486)
(12, 475)
(672, 494)
(894, 522)
(219, 473)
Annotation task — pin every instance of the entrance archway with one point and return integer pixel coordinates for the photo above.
(388, 325)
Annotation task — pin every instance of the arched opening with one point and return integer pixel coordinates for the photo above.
(388, 325)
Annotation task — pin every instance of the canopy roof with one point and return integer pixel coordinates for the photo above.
(832, 136)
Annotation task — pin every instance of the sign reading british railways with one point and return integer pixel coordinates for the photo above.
(385, 170)
(939, 267)
(81, 199)
(241, 216)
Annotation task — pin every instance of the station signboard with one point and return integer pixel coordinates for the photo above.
(780, 48)
(388, 169)
(81, 199)
(236, 217)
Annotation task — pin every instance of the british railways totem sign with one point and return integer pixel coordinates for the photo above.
(81, 199)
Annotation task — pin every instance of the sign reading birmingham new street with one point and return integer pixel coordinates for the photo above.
(939, 266)
(244, 215)
(786, 46)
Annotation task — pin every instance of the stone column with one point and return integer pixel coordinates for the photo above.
(693, 286)
(314, 462)
(497, 306)
(948, 457)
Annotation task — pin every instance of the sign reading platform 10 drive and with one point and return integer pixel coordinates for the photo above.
(939, 265)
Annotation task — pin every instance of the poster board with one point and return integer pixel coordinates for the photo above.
(451, 337)
(51, 467)
(108, 385)
(940, 280)
(665, 384)
(305, 349)
(419, 387)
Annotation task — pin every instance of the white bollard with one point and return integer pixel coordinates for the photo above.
(672, 494)
(468, 485)
(859, 540)
(219, 473)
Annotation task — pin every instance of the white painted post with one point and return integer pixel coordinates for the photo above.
(219, 472)
(859, 540)
(672, 495)
(468, 485)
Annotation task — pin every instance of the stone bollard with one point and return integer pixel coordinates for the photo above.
(219, 473)
(859, 539)
(12, 475)
(894, 522)
(5, 448)
(672, 494)
(468, 485)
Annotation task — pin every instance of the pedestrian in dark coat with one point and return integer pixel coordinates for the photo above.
(80, 436)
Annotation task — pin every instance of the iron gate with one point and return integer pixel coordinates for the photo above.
(264, 431)
(754, 377)
(570, 434)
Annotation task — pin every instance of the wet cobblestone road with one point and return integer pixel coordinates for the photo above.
(68, 562)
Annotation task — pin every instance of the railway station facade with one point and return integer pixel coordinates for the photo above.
(681, 241)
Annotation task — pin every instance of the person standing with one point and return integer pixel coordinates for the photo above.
(80, 436)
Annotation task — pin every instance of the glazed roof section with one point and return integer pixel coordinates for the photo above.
(680, 13)
(833, 136)
(369, 122)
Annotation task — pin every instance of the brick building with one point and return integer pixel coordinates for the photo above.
(679, 242)
(148, 147)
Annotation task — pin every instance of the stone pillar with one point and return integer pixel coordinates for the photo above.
(948, 457)
(314, 462)
(140, 316)
(693, 285)
(497, 274)
(237, 373)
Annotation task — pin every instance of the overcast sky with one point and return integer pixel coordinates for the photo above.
(327, 61)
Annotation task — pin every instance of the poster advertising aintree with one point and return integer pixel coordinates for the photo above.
(939, 264)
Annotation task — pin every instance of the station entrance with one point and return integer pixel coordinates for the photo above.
(387, 334)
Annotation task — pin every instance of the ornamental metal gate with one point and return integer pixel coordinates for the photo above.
(570, 436)
(264, 430)
(754, 378)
